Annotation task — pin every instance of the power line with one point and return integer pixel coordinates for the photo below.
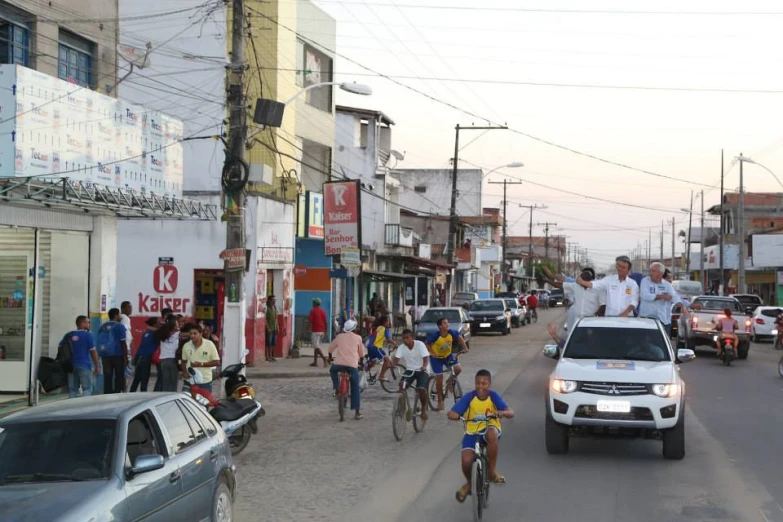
(469, 113)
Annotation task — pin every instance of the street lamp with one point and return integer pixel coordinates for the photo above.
(512, 165)
(270, 112)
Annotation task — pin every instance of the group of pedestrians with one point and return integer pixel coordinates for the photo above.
(173, 346)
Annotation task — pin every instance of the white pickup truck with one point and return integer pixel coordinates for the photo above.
(698, 327)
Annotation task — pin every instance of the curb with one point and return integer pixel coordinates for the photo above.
(285, 375)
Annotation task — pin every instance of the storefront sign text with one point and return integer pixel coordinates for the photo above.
(151, 304)
(341, 216)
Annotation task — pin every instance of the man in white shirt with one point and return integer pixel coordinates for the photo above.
(586, 300)
(622, 292)
(126, 310)
(657, 297)
(415, 357)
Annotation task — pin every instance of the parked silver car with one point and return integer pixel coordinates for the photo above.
(463, 298)
(135, 456)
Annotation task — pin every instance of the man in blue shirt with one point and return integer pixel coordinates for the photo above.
(113, 349)
(84, 358)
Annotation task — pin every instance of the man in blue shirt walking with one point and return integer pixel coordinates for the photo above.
(84, 358)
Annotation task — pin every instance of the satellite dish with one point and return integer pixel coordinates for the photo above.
(136, 56)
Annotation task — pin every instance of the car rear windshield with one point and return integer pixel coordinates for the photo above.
(556, 293)
(749, 299)
(56, 451)
(717, 304)
(511, 303)
(771, 312)
(432, 316)
(633, 344)
(486, 306)
(463, 295)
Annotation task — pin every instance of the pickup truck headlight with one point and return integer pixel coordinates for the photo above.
(666, 390)
(563, 386)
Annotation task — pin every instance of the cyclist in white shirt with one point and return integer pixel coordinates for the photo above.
(622, 292)
(415, 357)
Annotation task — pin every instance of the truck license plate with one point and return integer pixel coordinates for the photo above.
(485, 325)
(614, 406)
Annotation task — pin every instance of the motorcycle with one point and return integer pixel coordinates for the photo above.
(729, 354)
(237, 415)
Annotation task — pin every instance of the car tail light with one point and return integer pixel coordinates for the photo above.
(759, 320)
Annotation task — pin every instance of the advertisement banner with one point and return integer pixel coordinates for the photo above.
(342, 216)
(315, 215)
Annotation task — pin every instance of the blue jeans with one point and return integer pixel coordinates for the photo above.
(335, 370)
(80, 377)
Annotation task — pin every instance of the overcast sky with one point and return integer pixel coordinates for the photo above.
(674, 121)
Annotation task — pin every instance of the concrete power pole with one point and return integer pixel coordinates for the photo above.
(234, 172)
(546, 236)
(741, 231)
(674, 236)
(661, 241)
(530, 237)
(505, 183)
(701, 244)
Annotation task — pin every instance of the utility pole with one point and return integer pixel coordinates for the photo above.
(661, 241)
(505, 184)
(722, 288)
(701, 243)
(741, 231)
(452, 240)
(233, 191)
(674, 237)
(530, 237)
(649, 247)
(546, 235)
(688, 241)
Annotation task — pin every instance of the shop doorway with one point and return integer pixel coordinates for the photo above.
(15, 327)
(210, 290)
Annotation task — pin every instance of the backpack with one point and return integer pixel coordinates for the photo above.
(105, 343)
(65, 353)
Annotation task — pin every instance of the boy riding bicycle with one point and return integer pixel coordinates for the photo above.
(440, 346)
(480, 402)
(413, 355)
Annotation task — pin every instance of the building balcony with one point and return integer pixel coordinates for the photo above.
(398, 235)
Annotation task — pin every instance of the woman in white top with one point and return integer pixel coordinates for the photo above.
(168, 334)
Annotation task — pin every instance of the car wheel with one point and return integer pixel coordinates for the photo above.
(222, 503)
(556, 436)
(674, 440)
(742, 350)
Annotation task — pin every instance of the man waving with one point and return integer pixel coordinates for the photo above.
(622, 292)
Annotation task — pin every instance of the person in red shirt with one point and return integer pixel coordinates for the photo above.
(532, 304)
(318, 330)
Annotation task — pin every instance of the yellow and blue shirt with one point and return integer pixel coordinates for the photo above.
(381, 335)
(441, 346)
(470, 406)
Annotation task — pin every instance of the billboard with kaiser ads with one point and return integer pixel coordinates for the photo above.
(342, 216)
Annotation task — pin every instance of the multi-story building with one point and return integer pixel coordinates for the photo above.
(428, 191)
(289, 58)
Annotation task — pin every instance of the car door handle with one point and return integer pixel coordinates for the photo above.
(213, 455)
(175, 476)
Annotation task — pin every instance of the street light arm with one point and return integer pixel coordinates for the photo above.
(765, 168)
(301, 92)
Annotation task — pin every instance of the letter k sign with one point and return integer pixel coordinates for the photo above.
(165, 279)
(339, 195)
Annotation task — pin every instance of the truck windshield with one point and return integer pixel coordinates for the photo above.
(632, 344)
(717, 305)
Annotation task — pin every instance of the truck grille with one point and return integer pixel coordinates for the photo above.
(613, 388)
(636, 414)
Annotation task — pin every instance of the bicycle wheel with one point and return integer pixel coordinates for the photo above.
(477, 487)
(399, 417)
(391, 386)
(457, 389)
(418, 422)
(342, 402)
(487, 483)
(432, 393)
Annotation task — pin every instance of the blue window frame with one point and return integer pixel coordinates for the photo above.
(14, 43)
(75, 60)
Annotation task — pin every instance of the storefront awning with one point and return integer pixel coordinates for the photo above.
(73, 196)
(381, 277)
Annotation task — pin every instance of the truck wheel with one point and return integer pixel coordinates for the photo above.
(556, 436)
(742, 350)
(674, 440)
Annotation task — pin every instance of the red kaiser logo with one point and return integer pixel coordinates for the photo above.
(165, 279)
(341, 216)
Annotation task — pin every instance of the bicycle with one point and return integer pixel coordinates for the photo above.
(479, 470)
(452, 383)
(389, 386)
(343, 393)
(402, 411)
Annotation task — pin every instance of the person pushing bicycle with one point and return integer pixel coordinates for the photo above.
(440, 345)
(483, 401)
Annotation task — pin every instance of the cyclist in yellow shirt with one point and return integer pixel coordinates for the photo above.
(440, 345)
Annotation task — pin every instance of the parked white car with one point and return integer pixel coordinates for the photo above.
(763, 323)
(617, 376)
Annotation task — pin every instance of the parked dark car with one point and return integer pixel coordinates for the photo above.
(490, 315)
(556, 298)
(458, 320)
(748, 301)
(132, 456)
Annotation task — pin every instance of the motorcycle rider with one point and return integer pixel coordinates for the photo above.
(727, 325)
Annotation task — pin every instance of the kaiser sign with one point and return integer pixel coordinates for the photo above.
(165, 279)
(342, 216)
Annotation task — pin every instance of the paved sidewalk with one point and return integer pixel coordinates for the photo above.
(306, 465)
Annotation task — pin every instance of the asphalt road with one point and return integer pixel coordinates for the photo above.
(732, 469)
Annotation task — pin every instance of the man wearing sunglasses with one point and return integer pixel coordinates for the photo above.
(622, 292)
